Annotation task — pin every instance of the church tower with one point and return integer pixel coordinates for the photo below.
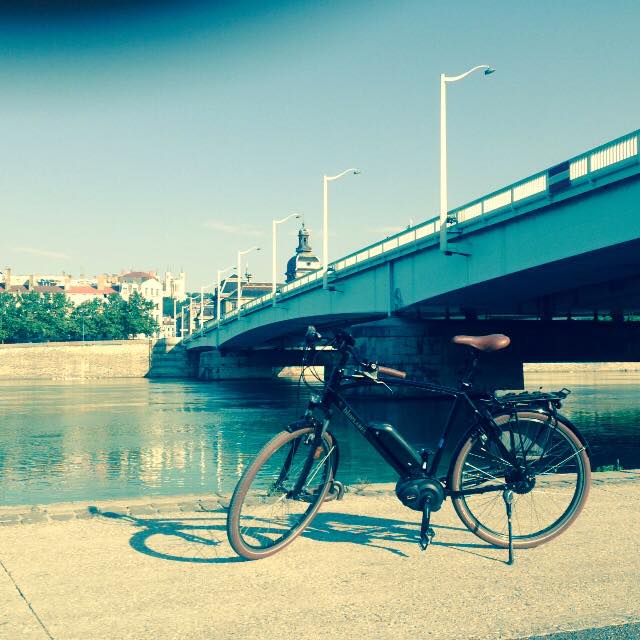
(304, 261)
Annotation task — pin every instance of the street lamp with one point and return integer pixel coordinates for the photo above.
(443, 149)
(202, 305)
(325, 220)
(239, 273)
(274, 252)
(220, 272)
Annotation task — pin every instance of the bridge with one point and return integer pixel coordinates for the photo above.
(563, 243)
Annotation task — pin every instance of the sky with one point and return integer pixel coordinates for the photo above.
(154, 136)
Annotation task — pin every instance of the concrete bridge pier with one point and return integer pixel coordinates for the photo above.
(424, 350)
(423, 347)
(247, 365)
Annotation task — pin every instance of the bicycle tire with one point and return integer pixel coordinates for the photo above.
(240, 532)
(553, 482)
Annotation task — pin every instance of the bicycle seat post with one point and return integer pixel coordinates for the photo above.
(467, 378)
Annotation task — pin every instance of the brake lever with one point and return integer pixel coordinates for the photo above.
(373, 376)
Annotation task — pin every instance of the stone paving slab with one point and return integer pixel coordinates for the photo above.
(357, 573)
(16, 619)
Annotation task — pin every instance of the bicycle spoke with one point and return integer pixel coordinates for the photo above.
(573, 455)
(541, 499)
(271, 507)
(482, 472)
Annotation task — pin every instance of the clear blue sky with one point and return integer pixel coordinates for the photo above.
(170, 137)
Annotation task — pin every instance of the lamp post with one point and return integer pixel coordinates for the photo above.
(325, 220)
(274, 252)
(202, 305)
(443, 149)
(175, 317)
(202, 288)
(239, 272)
(220, 272)
(218, 286)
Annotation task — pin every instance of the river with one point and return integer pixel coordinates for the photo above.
(96, 440)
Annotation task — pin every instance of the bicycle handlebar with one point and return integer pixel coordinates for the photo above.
(392, 373)
(344, 343)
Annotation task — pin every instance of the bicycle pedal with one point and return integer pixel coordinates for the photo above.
(427, 539)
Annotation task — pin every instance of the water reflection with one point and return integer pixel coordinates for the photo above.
(111, 439)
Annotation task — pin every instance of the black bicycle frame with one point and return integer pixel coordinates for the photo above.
(392, 446)
(389, 443)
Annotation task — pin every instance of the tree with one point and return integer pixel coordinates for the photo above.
(87, 321)
(8, 316)
(35, 317)
(137, 318)
(56, 309)
(41, 317)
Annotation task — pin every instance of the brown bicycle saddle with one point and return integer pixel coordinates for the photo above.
(493, 342)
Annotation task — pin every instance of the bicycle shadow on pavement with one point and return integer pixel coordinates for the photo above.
(380, 532)
(203, 540)
(194, 540)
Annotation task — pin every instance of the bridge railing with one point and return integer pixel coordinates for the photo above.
(621, 150)
(610, 156)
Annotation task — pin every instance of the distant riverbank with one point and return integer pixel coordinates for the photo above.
(581, 367)
(93, 360)
(167, 358)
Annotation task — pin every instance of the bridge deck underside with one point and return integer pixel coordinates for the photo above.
(572, 256)
(602, 281)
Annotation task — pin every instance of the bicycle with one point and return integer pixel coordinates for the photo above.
(517, 450)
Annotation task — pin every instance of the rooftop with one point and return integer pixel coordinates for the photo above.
(139, 275)
(106, 291)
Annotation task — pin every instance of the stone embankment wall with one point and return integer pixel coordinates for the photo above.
(582, 367)
(93, 360)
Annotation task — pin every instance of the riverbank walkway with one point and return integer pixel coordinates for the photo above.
(161, 569)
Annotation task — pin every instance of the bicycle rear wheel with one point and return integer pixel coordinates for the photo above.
(547, 468)
(271, 504)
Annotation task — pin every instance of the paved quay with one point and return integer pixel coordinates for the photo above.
(161, 568)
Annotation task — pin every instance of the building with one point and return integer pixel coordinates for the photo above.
(168, 327)
(250, 291)
(162, 293)
(83, 293)
(175, 287)
(22, 288)
(148, 286)
(304, 260)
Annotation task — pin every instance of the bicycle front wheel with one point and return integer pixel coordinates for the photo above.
(542, 461)
(279, 493)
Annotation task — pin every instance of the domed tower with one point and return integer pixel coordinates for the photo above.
(304, 261)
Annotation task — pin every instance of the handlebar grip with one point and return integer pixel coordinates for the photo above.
(392, 373)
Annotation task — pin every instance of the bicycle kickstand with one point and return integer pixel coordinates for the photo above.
(426, 532)
(507, 496)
